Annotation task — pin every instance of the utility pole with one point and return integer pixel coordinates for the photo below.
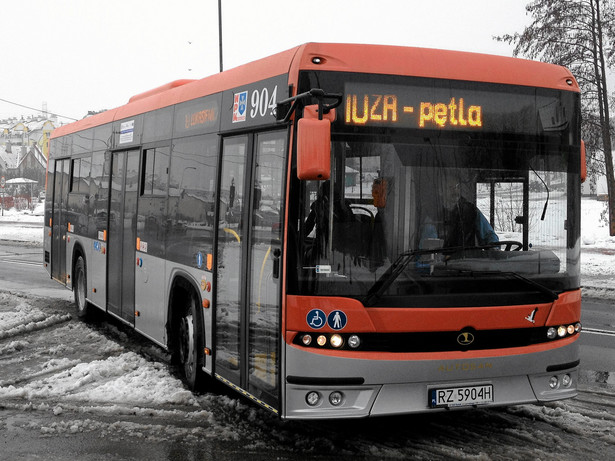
(220, 32)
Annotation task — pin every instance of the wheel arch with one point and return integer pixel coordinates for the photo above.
(182, 286)
(78, 250)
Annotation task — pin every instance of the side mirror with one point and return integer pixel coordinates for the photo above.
(583, 162)
(314, 144)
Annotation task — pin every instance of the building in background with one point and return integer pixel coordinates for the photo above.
(24, 148)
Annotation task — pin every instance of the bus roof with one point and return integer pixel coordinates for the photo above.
(377, 59)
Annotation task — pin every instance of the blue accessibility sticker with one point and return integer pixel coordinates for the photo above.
(316, 319)
(337, 320)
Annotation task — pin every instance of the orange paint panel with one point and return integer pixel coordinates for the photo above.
(377, 59)
(567, 309)
(424, 62)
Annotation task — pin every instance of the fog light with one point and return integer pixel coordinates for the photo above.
(354, 341)
(551, 333)
(553, 382)
(336, 398)
(577, 327)
(306, 340)
(321, 340)
(570, 329)
(561, 331)
(312, 398)
(336, 341)
(566, 380)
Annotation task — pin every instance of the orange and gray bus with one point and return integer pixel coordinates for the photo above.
(337, 231)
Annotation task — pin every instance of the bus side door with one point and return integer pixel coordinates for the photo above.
(122, 230)
(248, 313)
(59, 220)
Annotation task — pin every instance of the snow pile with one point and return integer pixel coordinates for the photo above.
(594, 225)
(127, 378)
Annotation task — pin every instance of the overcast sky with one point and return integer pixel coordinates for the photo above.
(82, 55)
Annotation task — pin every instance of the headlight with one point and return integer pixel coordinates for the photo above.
(561, 331)
(354, 341)
(336, 341)
(312, 398)
(551, 333)
(336, 398)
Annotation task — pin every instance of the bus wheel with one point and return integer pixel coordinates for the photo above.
(190, 346)
(80, 287)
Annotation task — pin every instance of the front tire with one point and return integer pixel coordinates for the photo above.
(190, 347)
(80, 288)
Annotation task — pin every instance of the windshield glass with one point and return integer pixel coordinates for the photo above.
(434, 219)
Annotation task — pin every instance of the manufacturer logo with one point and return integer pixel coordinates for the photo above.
(532, 316)
(465, 338)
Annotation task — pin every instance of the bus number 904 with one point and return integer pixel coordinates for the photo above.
(261, 103)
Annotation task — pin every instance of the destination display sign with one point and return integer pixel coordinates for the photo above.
(198, 116)
(449, 108)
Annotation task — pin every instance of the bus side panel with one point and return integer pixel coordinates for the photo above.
(96, 251)
(95, 267)
(150, 295)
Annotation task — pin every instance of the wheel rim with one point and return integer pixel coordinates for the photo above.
(186, 348)
(80, 290)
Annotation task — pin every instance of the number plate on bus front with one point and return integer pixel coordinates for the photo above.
(460, 396)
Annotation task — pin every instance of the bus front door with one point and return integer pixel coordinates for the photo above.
(122, 234)
(248, 314)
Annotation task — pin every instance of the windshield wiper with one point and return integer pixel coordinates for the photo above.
(395, 270)
(552, 295)
(402, 261)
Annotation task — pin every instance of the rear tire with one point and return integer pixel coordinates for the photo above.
(190, 345)
(80, 288)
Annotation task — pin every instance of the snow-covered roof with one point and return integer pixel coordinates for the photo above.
(10, 159)
(18, 154)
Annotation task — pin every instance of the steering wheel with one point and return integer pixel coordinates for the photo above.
(511, 245)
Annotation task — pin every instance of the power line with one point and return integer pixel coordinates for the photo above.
(37, 110)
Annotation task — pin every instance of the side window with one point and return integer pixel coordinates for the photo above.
(75, 169)
(192, 186)
(80, 175)
(79, 197)
(152, 206)
(155, 171)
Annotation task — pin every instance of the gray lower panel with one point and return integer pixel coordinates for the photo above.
(403, 386)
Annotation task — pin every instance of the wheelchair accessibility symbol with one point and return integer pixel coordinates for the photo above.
(316, 319)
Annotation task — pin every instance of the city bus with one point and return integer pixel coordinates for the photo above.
(337, 230)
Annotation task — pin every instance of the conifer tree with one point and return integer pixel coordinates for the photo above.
(578, 34)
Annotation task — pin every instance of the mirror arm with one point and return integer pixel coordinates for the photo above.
(317, 93)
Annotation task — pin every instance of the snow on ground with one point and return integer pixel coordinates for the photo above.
(28, 232)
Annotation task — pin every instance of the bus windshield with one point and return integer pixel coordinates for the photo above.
(445, 221)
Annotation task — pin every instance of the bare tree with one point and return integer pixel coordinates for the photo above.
(578, 34)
